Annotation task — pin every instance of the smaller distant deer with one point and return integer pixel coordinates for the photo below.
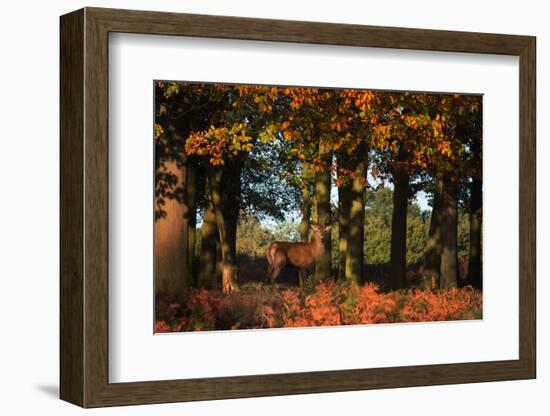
(301, 255)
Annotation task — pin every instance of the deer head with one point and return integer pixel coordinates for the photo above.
(319, 231)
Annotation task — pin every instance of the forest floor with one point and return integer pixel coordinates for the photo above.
(254, 269)
(315, 304)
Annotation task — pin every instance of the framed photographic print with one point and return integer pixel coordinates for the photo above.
(255, 207)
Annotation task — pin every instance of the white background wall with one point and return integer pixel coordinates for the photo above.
(29, 237)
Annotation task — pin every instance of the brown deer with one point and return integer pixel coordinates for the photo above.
(301, 255)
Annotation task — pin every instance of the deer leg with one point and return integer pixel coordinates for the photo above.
(269, 259)
(275, 273)
(279, 262)
(301, 277)
(268, 274)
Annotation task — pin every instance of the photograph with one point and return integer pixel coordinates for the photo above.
(284, 206)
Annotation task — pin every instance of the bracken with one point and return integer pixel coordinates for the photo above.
(327, 304)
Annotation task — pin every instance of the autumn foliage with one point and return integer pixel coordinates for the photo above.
(325, 304)
(239, 167)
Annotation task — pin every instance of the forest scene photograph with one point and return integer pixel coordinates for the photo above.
(280, 207)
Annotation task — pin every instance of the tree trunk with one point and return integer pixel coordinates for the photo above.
(305, 208)
(171, 233)
(432, 255)
(356, 223)
(191, 217)
(229, 267)
(398, 266)
(231, 199)
(323, 265)
(174, 227)
(303, 228)
(474, 262)
(449, 222)
(209, 237)
(344, 204)
(219, 263)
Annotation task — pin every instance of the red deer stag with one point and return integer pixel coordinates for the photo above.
(301, 255)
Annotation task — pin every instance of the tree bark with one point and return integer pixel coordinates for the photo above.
(344, 204)
(174, 219)
(191, 217)
(474, 262)
(229, 267)
(171, 230)
(356, 222)
(207, 277)
(449, 222)
(303, 228)
(219, 263)
(398, 262)
(323, 266)
(305, 209)
(432, 255)
(231, 199)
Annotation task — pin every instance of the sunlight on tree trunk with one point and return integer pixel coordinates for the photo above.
(344, 202)
(171, 231)
(229, 269)
(208, 251)
(219, 262)
(355, 238)
(191, 218)
(323, 266)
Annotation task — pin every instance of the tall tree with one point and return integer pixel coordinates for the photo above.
(175, 191)
(460, 126)
(400, 140)
(356, 112)
(235, 115)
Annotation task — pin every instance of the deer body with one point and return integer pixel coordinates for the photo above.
(301, 255)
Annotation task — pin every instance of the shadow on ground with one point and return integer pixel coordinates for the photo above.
(51, 390)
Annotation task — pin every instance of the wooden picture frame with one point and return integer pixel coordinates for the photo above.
(84, 207)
